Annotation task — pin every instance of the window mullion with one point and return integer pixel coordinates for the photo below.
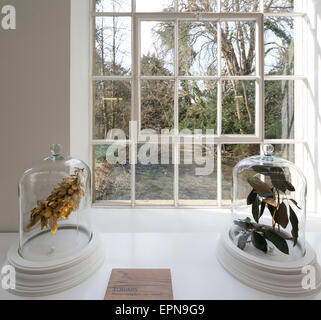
(135, 102)
(176, 120)
(219, 174)
(261, 6)
(259, 122)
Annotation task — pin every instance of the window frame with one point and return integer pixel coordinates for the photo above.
(219, 139)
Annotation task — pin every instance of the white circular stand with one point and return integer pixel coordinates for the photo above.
(34, 278)
(277, 278)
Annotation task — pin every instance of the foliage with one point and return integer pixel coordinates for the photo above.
(197, 49)
(274, 198)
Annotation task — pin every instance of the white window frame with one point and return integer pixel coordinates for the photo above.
(219, 139)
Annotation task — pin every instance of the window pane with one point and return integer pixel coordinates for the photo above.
(279, 109)
(238, 48)
(238, 107)
(154, 174)
(231, 155)
(112, 103)
(157, 104)
(197, 48)
(198, 105)
(112, 54)
(285, 151)
(112, 5)
(196, 185)
(112, 180)
(278, 5)
(157, 48)
(154, 6)
(279, 46)
(197, 5)
(240, 6)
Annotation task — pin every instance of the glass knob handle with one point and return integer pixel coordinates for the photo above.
(268, 150)
(56, 149)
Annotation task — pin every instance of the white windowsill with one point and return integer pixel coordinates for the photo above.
(113, 220)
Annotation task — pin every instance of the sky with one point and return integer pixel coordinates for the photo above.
(147, 36)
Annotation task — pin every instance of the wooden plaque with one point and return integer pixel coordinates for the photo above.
(140, 284)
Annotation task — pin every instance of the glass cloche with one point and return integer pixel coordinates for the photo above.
(269, 207)
(54, 198)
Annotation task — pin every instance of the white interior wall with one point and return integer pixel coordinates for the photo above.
(312, 109)
(34, 93)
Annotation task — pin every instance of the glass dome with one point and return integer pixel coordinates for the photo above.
(54, 198)
(269, 207)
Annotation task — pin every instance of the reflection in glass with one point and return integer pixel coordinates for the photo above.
(154, 6)
(112, 104)
(112, 180)
(193, 186)
(154, 178)
(279, 109)
(197, 105)
(285, 151)
(238, 107)
(112, 5)
(157, 48)
(231, 155)
(279, 46)
(278, 5)
(197, 5)
(238, 47)
(240, 6)
(112, 55)
(157, 104)
(197, 48)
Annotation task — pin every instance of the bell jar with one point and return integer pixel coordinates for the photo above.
(269, 208)
(54, 198)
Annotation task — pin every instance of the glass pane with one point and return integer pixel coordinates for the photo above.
(112, 54)
(279, 46)
(238, 107)
(279, 109)
(240, 6)
(154, 6)
(197, 175)
(285, 151)
(278, 5)
(112, 5)
(157, 104)
(154, 174)
(157, 48)
(197, 5)
(198, 105)
(197, 48)
(112, 104)
(231, 155)
(112, 177)
(238, 47)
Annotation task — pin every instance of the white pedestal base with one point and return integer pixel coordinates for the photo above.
(45, 278)
(277, 278)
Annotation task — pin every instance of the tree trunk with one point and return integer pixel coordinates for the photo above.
(246, 100)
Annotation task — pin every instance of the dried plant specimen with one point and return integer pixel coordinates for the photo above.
(62, 201)
(275, 198)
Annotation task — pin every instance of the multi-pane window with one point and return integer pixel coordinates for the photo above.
(189, 70)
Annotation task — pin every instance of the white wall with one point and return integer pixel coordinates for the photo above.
(79, 79)
(34, 93)
(313, 106)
